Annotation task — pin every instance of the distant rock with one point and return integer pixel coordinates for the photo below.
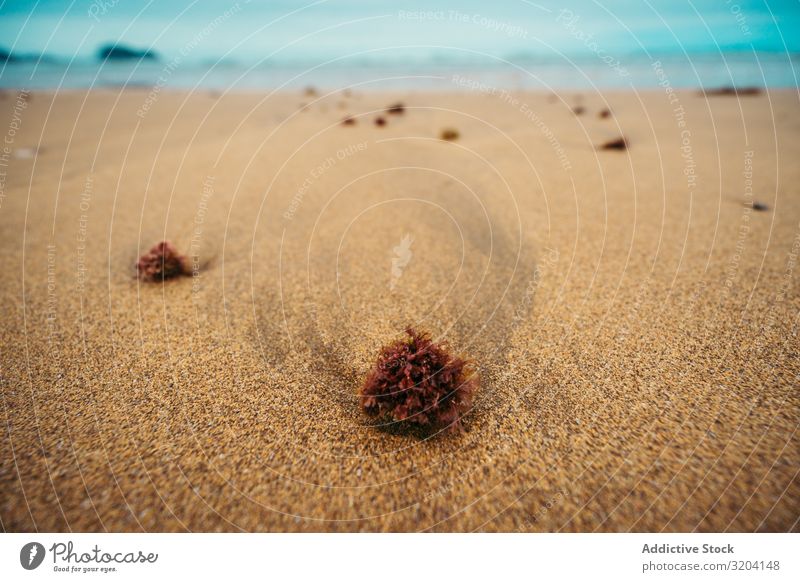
(9, 57)
(124, 53)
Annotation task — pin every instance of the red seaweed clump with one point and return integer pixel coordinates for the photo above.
(161, 262)
(418, 382)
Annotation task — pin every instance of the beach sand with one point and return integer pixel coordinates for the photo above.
(632, 318)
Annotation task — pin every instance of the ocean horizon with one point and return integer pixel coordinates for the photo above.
(380, 45)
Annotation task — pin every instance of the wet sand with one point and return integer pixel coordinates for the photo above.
(632, 318)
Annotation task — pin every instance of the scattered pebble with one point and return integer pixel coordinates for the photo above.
(604, 114)
(380, 121)
(349, 120)
(579, 110)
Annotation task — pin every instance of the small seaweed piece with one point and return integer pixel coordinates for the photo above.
(731, 91)
(418, 382)
(615, 144)
(449, 134)
(161, 262)
(396, 109)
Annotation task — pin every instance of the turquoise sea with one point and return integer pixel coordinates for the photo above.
(379, 44)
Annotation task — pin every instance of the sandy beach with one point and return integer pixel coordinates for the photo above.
(632, 317)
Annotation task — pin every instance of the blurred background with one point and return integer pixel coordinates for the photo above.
(254, 44)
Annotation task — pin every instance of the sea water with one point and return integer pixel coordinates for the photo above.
(272, 44)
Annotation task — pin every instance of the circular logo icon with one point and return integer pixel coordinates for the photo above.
(31, 555)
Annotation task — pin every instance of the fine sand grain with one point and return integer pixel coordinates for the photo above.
(632, 319)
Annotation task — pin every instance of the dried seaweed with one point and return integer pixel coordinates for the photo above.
(615, 144)
(418, 382)
(161, 262)
(449, 134)
(732, 91)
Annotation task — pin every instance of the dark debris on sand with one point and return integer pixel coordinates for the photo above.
(396, 109)
(618, 144)
(417, 382)
(732, 91)
(162, 262)
(449, 134)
